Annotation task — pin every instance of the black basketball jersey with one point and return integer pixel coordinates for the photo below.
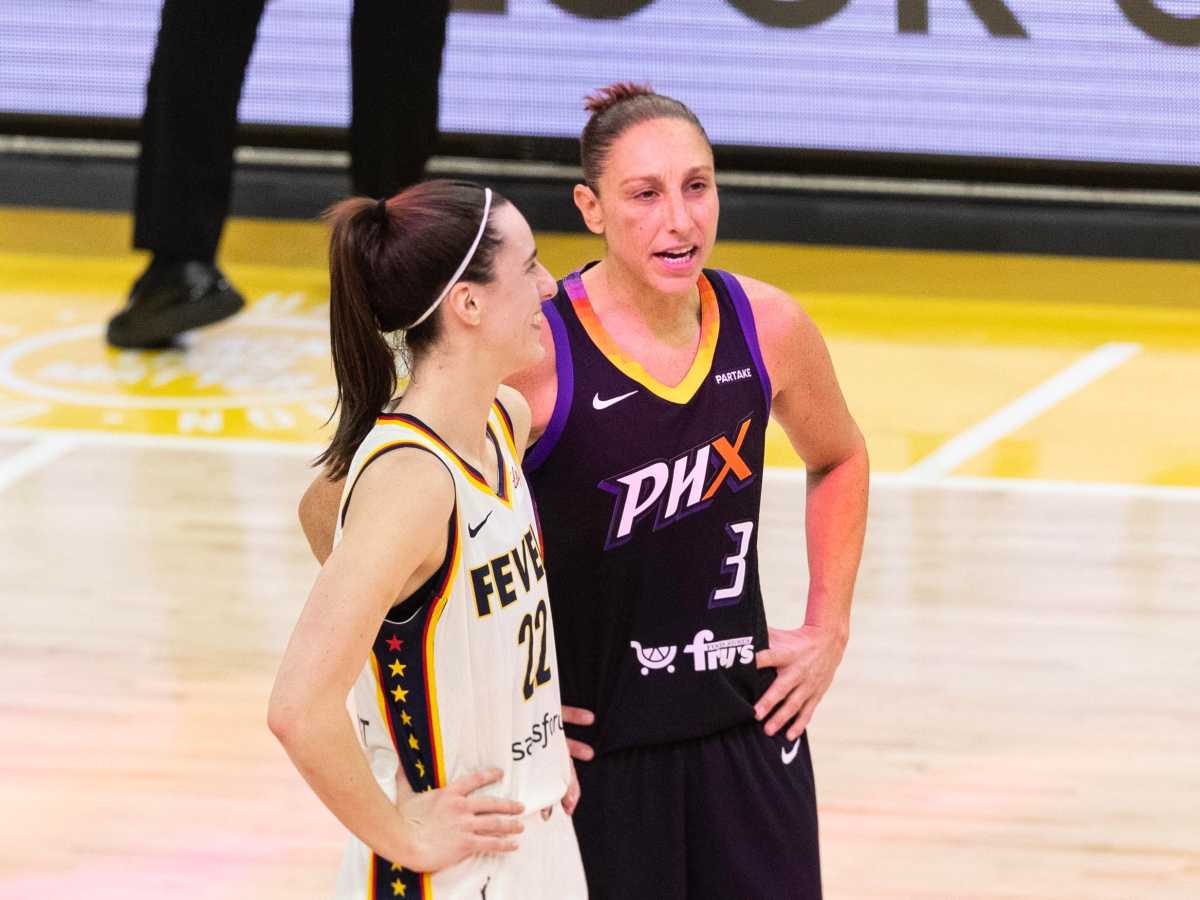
(648, 497)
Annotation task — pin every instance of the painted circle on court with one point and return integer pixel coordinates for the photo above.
(260, 360)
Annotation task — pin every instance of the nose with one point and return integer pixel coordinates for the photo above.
(677, 214)
(545, 282)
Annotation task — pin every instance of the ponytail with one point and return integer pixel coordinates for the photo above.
(363, 361)
(389, 261)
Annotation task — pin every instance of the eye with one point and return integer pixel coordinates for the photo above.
(698, 185)
(645, 195)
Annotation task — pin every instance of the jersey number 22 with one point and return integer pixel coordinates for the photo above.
(533, 631)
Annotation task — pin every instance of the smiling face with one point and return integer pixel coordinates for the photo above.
(656, 204)
(510, 305)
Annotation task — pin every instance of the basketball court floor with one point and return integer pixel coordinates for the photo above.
(1016, 715)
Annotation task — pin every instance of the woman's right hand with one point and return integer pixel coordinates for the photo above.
(449, 824)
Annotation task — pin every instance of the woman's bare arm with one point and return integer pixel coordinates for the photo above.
(379, 557)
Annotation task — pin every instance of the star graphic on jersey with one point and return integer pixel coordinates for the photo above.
(398, 888)
(399, 694)
(412, 742)
(394, 643)
(405, 718)
(397, 667)
(396, 868)
(420, 768)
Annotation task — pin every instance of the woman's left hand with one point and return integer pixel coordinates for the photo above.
(805, 660)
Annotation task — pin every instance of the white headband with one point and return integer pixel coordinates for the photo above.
(462, 267)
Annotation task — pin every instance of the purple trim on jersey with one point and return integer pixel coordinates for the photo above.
(741, 303)
(574, 285)
(563, 391)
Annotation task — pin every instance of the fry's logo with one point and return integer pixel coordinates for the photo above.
(707, 655)
(678, 487)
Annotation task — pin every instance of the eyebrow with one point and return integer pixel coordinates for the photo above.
(654, 179)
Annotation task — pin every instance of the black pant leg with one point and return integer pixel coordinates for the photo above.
(185, 172)
(630, 824)
(752, 818)
(395, 62)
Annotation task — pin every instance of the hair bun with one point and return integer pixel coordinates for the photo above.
(608, 97)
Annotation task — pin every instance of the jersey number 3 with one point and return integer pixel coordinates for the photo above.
(734, 565)
(531, 627)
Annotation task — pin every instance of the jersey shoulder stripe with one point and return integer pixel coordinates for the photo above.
(710, 330)
(745, 316)
(415, 428)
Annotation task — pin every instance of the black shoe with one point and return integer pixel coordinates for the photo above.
(168, 300)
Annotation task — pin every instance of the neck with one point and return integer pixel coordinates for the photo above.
(619, 289)
(452, 394)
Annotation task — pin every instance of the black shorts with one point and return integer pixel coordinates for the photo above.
(733, 814)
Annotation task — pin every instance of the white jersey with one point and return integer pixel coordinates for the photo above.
(463, 674)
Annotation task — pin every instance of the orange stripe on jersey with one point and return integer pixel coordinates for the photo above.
(383, 707)
(431, 620)
(435, 729)
(473, 475)
(710, 326)
(507, 428)
(387, 717)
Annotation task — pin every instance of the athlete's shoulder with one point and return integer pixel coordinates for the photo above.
(772, 306)
(776, 312)
(786, 333)
(411, 474)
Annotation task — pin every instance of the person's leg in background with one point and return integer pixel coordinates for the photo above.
(185, 172)
(395, 63)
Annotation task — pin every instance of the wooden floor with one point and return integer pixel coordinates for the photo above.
(1016, 716)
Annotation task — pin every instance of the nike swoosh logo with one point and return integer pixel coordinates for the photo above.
(788, 754)
(474, 529)
(597, 403)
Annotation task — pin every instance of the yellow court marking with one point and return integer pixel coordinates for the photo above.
(264, 374)
(926, 345)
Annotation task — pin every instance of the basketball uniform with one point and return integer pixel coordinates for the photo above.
(462, 676)
(649, 495)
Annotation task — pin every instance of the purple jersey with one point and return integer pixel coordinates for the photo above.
(649, 496)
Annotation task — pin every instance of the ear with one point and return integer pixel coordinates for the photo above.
(589, 207)
(463, 302)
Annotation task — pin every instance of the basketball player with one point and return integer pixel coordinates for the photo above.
(651, 406)
(432, 608)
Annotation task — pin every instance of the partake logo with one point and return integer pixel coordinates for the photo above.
(732, 375)
(678, 487)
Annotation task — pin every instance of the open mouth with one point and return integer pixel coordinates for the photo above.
(678, 257)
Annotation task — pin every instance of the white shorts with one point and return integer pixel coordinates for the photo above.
(546, 867)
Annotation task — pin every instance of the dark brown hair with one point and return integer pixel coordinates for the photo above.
(388, 261)
(616, 108)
